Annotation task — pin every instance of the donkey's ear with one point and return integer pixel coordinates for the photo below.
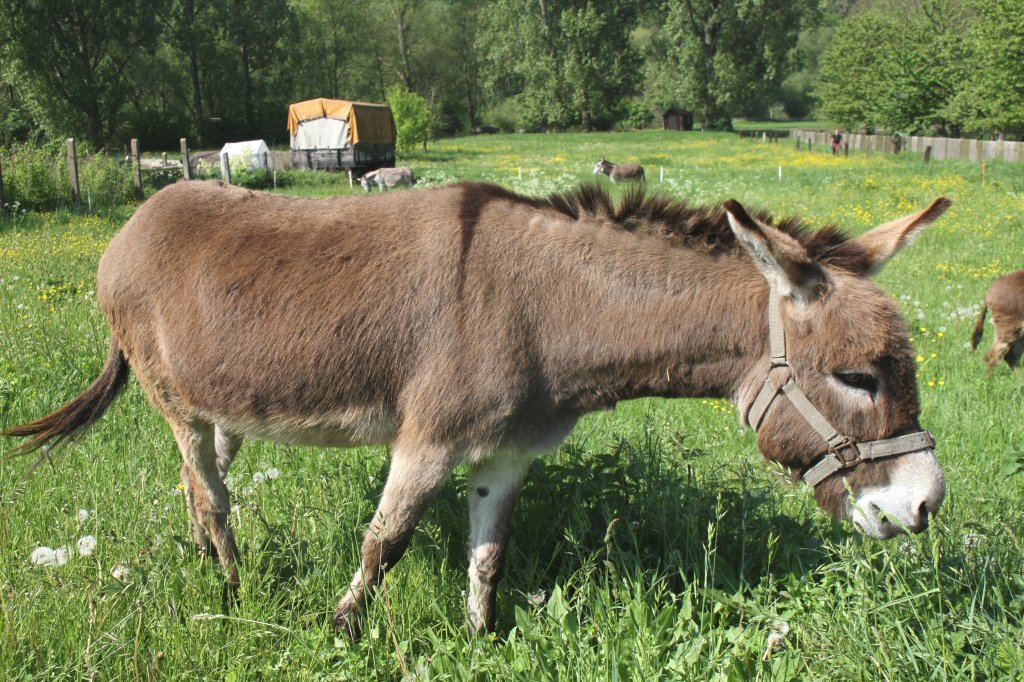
(782, 259)
(881, 243)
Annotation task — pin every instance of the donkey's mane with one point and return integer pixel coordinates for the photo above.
(681, 224)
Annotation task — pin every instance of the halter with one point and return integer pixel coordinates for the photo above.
(842, 452)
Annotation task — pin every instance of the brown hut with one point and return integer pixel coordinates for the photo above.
(677, 119)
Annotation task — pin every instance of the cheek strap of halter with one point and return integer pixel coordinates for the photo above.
(842, 452)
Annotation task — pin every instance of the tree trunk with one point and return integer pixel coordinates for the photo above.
(405, 64)
(247, 88)
(197, 98)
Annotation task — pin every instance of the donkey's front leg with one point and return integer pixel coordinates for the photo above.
(493, 490)
(417, 472)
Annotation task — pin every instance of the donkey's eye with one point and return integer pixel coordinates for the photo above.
(862, 381)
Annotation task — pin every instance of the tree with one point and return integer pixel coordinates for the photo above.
(72, 58)
(895, 68)
(732, 53)
(992, 97)
(563, 62)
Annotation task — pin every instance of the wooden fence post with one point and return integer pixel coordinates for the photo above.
(227, 167)
(137, 168)
(798, 144)
(76, 195)
(927, 153)
(186, 171)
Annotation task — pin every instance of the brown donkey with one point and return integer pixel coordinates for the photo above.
(620, 171)
(1006, 299)
(470, 324)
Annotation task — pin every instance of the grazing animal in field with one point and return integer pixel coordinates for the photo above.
(387, 177)
(620, 171)
(1006, 299)
(468, 324)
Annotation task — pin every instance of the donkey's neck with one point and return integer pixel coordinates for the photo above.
(643, 318)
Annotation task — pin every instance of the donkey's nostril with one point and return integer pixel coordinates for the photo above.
(920, 518)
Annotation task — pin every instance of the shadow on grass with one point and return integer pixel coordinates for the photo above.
(641, 506)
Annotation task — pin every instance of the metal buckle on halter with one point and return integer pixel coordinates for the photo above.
(845, 444)
(777, 379)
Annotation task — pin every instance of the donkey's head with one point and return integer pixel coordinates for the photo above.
(602, 166)
(834, 398)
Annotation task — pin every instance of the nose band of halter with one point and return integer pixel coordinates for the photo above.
(842, 452)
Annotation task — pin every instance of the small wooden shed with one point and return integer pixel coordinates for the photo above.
(335, 134)
(677, 119)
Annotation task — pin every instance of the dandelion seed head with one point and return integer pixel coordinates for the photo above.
(82, 515)
(272, 473)
(86, 545)
(119, 572)
(46, 556)
(258, 477)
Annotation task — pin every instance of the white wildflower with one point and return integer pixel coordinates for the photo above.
(86, 545)
(780, 629)
(45, 556)
(908, 548)
(82, 515)
(537, 598)
(258, 477)
(119, 572)
(272, 473)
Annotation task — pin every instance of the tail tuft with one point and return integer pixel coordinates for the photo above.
(979, 327)
(79, 413)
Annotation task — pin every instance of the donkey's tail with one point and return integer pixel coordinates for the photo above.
(77, 414)
(979, 327)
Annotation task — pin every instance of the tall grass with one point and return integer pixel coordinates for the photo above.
(653, 544)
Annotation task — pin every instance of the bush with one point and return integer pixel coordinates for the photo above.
(105, 181)
(635, 116)
(36, 176)
(413, 118)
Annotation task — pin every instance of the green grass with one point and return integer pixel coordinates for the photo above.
(654, 544)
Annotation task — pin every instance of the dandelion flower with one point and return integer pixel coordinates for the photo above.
(119, 572)
(86, 545)
(272, 473)
(258, 477)
(82, 515)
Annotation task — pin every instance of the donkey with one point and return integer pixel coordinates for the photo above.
(468, 324)
(1006, 299)
(387, 177)
(620, 171)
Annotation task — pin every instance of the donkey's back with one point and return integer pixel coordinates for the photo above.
(304, 320)
(1006, 300)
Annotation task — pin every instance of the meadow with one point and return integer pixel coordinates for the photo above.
(655, 543)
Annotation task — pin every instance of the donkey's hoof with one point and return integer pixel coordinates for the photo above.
(349, 622)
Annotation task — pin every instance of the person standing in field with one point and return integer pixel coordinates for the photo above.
(837, 139)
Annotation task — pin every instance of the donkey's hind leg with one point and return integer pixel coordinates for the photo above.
(417, 472)
(207, 495)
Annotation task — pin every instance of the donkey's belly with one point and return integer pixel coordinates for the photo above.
(351, 427)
